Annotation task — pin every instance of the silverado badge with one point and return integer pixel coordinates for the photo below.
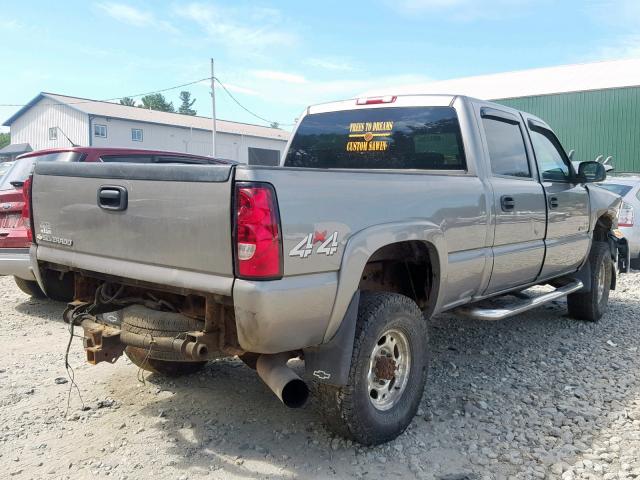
(45, 235)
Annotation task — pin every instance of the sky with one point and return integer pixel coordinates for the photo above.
(278, 57)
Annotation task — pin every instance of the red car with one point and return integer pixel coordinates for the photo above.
(15, 234)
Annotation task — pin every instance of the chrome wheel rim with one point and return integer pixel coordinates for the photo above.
(389, 367)
(601, 280)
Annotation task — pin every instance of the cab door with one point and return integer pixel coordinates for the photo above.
(567, 240)
(518, 201)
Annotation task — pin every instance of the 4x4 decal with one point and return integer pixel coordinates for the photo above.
(328, 245)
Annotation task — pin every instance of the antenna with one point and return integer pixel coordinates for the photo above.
(65, 136)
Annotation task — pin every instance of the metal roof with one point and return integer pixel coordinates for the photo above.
(525, 83)
(15, 148)
(115, 110)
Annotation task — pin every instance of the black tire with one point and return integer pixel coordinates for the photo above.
(349, 410)
(155, 324)
(30, 287)
(59, 287)
(162, 367)
(635, 263)
(592, 304)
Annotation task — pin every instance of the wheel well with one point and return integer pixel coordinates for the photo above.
(602, 228)
(410, 268)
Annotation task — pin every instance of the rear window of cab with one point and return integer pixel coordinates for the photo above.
(407, 138)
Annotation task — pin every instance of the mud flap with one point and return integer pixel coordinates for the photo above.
(331, 361)
(620, 252)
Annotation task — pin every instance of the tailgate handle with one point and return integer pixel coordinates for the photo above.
(112, 197)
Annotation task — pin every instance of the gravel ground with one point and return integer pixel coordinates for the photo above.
(537, 396)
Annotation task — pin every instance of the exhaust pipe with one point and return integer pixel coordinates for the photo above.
(283, 381)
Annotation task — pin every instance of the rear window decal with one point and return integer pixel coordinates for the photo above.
(367, 131)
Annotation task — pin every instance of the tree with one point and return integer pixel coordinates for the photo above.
(128, 101)
(187, 103)
(275, 125)
(156, 101)
(5, 139)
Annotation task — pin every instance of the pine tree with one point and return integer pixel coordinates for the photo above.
(187, 103)
(156, 101)
(128, 101)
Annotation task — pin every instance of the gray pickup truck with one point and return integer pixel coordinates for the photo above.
(384, 211)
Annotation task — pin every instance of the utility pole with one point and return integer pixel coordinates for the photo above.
(213, 113)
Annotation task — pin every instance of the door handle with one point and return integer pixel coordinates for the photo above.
(553, 202)
(112, 197)
(507, 203)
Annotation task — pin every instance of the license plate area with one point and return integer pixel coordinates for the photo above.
(9, 220)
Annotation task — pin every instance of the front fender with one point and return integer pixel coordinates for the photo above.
(361, 246)
(603, 203)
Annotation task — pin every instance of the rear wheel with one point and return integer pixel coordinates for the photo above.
(156, 360)
(59, 286)
(30, 287)
(387, 375)
(592, 304)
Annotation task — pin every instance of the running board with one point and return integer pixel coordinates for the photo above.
(493, 314)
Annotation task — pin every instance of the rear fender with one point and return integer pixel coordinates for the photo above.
(361, 246)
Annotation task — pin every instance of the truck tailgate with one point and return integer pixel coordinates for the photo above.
(175, 227)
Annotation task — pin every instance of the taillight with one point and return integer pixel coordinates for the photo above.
(258, 240)
(625, 217)
(26, 207)
(376, 100)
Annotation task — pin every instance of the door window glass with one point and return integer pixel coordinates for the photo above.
(550, 158)
(506, 148)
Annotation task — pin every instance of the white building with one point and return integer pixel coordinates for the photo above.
(51, 120)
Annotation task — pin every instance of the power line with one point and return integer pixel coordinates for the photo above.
(158, 91)
(250, 112)
(246, 109)
(110, 99)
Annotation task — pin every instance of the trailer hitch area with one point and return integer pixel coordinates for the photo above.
(101, 342)
(106, 343)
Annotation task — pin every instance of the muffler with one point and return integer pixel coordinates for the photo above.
(288, 387)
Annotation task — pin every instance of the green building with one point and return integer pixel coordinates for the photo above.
(594, 123)
(593, 107)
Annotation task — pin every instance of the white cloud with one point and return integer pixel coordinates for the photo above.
(314, 91)
(279, 76)
(617, 22)
(245, 30)
(625, 46)
(133, 16)
(621, 14)
(240, 89)
(333, 64)
(465, 10)
(10, 25)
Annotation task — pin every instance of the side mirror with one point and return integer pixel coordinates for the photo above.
(17, 183)
(590, 172)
